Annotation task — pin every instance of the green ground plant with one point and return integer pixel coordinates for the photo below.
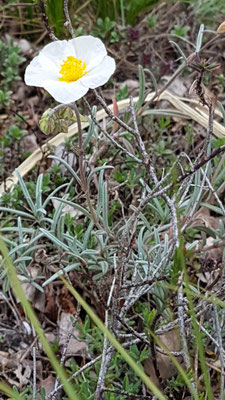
(208, 11)
(105, 30)
(10, 61)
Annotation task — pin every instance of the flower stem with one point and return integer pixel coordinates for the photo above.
(80, 149)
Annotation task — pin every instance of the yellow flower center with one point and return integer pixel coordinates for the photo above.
(72, 69)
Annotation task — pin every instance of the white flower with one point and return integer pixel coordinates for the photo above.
(68, 69)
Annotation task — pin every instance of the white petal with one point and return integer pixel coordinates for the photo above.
(64, 92)
(56, 52)
(47, 64)
(89, 49)
(99, 75)
(36, 74)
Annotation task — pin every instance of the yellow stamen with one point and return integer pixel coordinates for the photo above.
(72, 69)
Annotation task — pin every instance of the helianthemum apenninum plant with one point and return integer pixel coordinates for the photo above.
(126, 244)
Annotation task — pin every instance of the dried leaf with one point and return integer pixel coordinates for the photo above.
(36, 297)
(4, 360)
(221, 28)
(75, 346)
(48, 384)
(23, 373)
(165, 366)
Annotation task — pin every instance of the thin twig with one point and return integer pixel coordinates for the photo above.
(80, 148)
(80, 371)
(112, 116)
(68, 22)
(45, 20)
(214, 193)
(196, 167)
(209, 132)
(210, 336)
(199, 195)
(140, 142)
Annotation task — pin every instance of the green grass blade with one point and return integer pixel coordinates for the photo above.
(10, 392)
(17, 288)
(199, 342)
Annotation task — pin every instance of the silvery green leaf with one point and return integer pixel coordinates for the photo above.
(61, 272)
(74, 205)
(141, 252)
(70, 239)
(153, 249)
(105, 205)
(39, 193)
(210, 231)
(141, 96)
(222, 110)
(37, 286)
(25, 192)
(17, 212)
(35, 239)
(199, 38)
(23, 258)
(89, 252)
(212, 207)
(41, 210)
(166, 243)
(17, 248)
(87, 235)
(221, 227)
(53, 239)
(104, 266)
(73, 246)
(156, 236)
(195, 193)
(154, 81)
(58, 213)
(33, 248)
(192, 245)
(15, 229)
(91, 129)
(70, 169)
(55, 191)
(60, 227)
(20, 233)
(167, 112)
(95, 170)
(179, 50)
